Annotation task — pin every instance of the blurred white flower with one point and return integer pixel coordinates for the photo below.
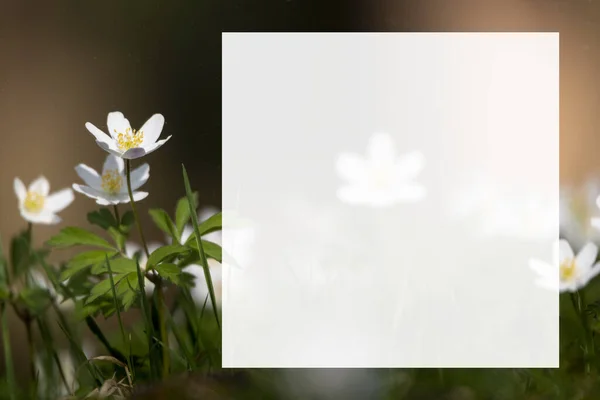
(37, 205)
(111, 187)
(578, 206)
(381, 178)
(128, 143)
(567, 272)
(40, 280)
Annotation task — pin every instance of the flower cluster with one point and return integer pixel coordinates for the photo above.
(37, 206)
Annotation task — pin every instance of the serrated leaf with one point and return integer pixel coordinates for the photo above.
(128, 218)
(162, 253)
(164, 222)
(84, 260)
(103, 287)
(212, 250)
(212, 224)
(182, 211)
(169, 271)
(102, 218)
(72, 236)
(35, 299)
(120, 265)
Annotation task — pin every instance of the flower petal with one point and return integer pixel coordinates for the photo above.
(156, 145)
(351, 167)
(88, 191)
(45, 218)
(139, 176)
(110, 147)
(59, 201)
(591, 274)
(89, 176)
(40, 185)
(98, 134)
(138, 196)
(565, 251)
(134, 153)
(20, 189)
(113, 163)
(587, 256)
(117, 123)
(152, 129)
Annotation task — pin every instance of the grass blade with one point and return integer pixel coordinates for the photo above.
(118, 309)
(147, 323)
(203, 260)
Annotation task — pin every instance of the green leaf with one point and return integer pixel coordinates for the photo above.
(161, 253)
(211, 249)
(20, 253)
(103, 287)
(198, 235)
(164, 223)
(103, 218)
(128, 219)
(182, 212)
(120, 265)
(169, 271)
(72, 236)
(84, 260)
(214, 223)
(118, 236)
(35, 299)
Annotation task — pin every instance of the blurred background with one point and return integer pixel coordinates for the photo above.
(65, 63)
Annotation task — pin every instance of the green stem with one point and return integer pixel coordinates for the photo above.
(118, 218)
(157, 282)
(133, 208)
(31, 348)
(118, 309)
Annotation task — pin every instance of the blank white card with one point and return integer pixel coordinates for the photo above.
(384, 196)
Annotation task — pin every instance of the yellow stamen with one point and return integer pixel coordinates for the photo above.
(34, 202)
(112, 181)
(381, 177)
(568, 268)
(130, 139)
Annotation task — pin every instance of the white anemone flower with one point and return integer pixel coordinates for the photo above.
(567, 272)
(381, 178)
(110, 188)
(37, 205)
(128, 143)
